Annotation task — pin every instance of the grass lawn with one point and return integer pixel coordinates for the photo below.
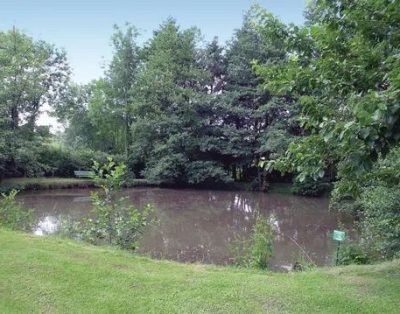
(44, 183)
(51, 275)
(55, 183)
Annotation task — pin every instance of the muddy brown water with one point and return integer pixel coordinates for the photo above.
(202, 225)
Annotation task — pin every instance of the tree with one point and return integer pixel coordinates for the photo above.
(32, 74)
(344, 73)
(122, 76)
(252, 123)
(343, 68)
(169, 89)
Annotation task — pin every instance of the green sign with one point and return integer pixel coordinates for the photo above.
(339, 235)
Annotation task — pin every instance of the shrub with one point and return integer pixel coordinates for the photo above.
(114, 222)
(257, 250)
(206, 172)
(310, 187)
(13, 215)
(261, 247)
(168, 169)
(352, 253)
(380, 222)
(63, 162)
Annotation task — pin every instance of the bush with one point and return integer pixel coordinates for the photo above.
(206, 172)
(380, 222)
(378, 208)
(310, 188)
(261, 247)
(63, 162)
(168, 169)
(352, 253)
(258, 249)
(36, 160)
(13, 215)
(114, 222)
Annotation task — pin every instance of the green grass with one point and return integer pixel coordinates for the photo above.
(45, 183)
(55, 183)
(52, 275)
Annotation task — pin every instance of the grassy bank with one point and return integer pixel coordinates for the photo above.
(50, 275)
(52, 183)
(26, 184)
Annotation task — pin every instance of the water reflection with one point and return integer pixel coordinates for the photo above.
(200, 226)
(47, 225)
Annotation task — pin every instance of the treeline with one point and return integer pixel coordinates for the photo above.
(183, 111)
(176, 109)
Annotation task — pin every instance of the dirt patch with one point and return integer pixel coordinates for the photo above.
(199, 268)
(120, 266)
(86, 258)
(273, 305)
(356, 280)
(135, 286)
(362, 285)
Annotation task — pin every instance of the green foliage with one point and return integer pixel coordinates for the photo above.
(353, 253)
(62, 162)
(183, 114)
(114, 221)
(45, 159)
(258, 249)
(32, 74)
(343, 69)
(310, 188)
(349, 104)
(13, 215)
(381, 220)
(261, 247)
(45, 183)
(207, 172)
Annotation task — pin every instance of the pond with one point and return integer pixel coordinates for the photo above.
(202, 225)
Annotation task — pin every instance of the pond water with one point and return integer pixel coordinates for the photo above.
(202, 225)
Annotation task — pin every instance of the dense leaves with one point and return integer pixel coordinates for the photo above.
(33, 75)
(184, 112)
(343, 68)
(344, 72)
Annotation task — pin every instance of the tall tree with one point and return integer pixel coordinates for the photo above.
(253, 122)
(122, 75)
(170, 80)
(32, 74)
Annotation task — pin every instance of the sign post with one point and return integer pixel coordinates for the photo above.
(338, 236)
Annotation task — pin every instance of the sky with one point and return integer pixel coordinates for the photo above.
(84, 27)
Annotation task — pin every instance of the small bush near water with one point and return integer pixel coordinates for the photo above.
(352, 253)
(310, 188)
(114, 222)
(13, 215)
(380, 222)
(258, 249)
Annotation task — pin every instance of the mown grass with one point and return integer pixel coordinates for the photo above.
(25, 184)
(55, 183)
(52, 275)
